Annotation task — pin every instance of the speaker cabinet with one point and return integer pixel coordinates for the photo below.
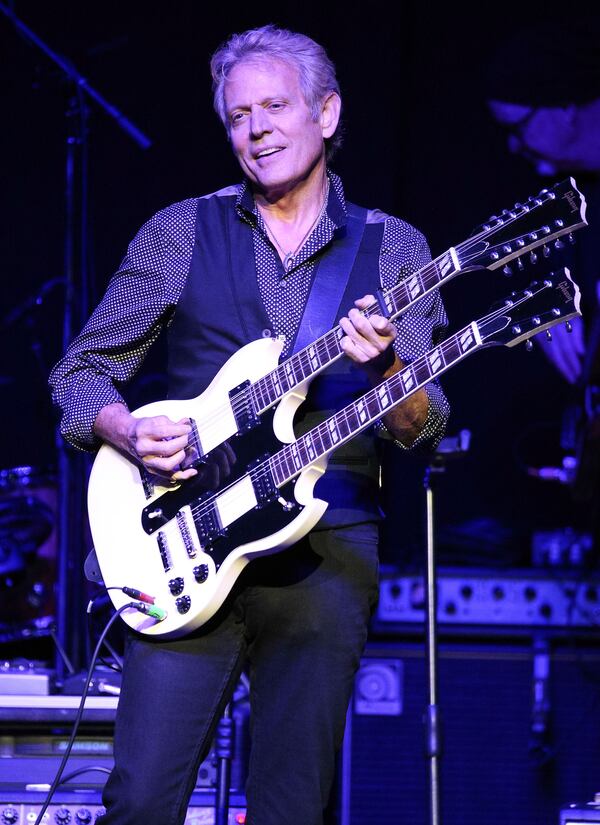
(520, 735)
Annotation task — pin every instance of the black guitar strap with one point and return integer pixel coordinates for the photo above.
(330, 281)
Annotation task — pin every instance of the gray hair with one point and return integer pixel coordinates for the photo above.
(315, 69)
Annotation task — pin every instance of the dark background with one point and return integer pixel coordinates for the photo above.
(419, 143)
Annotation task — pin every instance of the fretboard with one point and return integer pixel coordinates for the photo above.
(309, 361)
(347, 423)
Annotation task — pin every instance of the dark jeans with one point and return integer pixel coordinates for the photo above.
(299, 620)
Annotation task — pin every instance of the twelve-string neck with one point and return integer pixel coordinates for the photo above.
(326, 349)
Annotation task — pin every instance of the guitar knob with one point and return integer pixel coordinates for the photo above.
(83, 816)
(62, 815)
(183, 604)
(176, 586)
(201, 573)
(10, 815)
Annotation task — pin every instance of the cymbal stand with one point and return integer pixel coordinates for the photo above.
(448, 448)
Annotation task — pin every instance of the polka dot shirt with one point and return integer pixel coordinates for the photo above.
(142, 296)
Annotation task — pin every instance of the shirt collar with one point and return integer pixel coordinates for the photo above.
(336, 204)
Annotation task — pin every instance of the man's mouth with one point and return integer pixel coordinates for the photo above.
(272, 150)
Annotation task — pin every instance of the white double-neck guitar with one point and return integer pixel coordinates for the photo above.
(187, 552)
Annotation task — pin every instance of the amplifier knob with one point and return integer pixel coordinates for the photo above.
(62, 815)
(10, 815)
(83, 816)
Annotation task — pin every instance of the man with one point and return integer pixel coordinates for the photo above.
(220, 271)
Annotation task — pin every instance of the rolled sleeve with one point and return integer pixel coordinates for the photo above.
(420, 328)
(139, 302)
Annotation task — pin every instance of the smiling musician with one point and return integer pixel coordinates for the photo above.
(281, 254)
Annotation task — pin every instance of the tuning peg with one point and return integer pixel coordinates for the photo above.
(507, 271)
(548, 335)
(516, 330)
(528, 345)
(558, 244)
(568, 326)
(533, 257)
(571, 238)
(520, 264)
(546, 250)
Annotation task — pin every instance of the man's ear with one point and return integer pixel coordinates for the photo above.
(330, 114)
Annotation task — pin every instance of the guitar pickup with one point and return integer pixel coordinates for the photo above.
(208, 524)
(265, 489)
(243, 408)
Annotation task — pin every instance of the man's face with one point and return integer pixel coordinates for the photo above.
(552, 138)
(273, 134)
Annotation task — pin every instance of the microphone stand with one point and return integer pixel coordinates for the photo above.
(448, 448)
(72, 467)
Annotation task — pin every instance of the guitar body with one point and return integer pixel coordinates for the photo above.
(204, 572)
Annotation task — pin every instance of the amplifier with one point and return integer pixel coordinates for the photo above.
(577, 814)
(84, 808)
(35, 730)
(510, 755)
(524, 598)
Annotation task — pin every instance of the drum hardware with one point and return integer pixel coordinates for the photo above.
(27, 551)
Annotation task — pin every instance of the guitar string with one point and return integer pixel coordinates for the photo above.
(321, 346)
(283, 459)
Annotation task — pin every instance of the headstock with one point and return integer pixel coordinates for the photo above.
(544, 304)
(541, 221)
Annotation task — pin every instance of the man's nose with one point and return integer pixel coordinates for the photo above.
(259, 121)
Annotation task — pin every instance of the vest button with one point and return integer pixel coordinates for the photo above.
(266, 333)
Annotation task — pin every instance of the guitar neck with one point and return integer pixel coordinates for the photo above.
(358, 416)
(538, 222)
(309, 361)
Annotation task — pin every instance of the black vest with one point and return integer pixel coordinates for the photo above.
(220, 310)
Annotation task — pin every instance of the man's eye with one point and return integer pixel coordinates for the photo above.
(275, 107)
(236, 117)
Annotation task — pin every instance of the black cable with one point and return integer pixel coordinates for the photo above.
(56, 781)
(87, 769)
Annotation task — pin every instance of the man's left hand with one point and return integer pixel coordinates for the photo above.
(368, 340)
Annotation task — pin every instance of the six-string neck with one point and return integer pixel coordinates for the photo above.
(354, 418)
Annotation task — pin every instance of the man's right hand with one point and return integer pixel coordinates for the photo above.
(156, 443)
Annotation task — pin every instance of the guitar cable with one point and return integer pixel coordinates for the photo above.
(88, 679)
